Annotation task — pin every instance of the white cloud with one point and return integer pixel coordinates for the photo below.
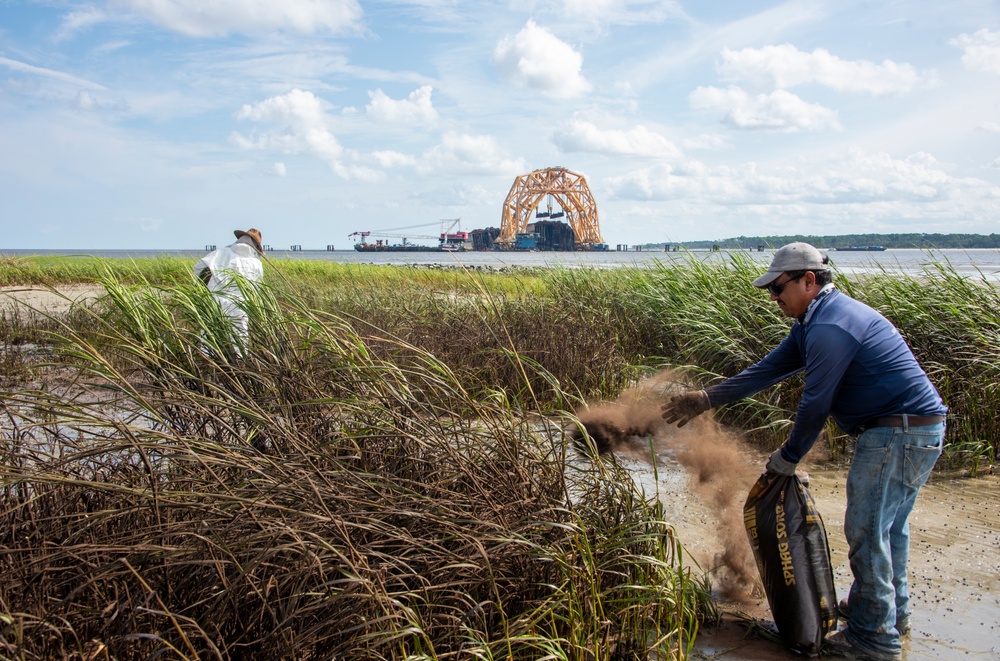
(357, 172)
(415, 109)
(777, 111)
(583, 136)
(469, 154)
(853, 178)
(620, 12)
(301, 125)
(89, 102)
(539, 60)
(706, 141)
(198, 18)
(392, 159)
(295, 123)
(51, 74)
(79, 19)
(982, 50)
(415, 70)
(85, 100)
(109, 47)
(458, 194)
(784, 66)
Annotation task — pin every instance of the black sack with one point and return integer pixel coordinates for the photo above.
(793, 557)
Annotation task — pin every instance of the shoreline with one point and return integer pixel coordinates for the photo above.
(47, 299)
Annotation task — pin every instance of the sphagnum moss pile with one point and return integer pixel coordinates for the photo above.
(304, 497)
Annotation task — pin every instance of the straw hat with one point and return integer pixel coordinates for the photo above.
(253, 234)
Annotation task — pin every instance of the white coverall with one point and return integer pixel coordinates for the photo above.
(242, 258)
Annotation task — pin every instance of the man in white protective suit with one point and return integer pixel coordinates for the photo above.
(218, 268)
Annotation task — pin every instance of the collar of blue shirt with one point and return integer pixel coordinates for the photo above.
(823, 293)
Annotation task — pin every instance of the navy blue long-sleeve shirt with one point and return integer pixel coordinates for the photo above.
(857, 367)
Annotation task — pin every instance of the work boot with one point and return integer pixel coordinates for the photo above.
(902, 624)
(839, 647)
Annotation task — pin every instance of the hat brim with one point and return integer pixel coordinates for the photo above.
(766, 279)
(240, 234)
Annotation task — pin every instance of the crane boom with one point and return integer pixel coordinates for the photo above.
(447, 240)
(392, 235)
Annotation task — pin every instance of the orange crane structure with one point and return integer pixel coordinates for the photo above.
(567, 189)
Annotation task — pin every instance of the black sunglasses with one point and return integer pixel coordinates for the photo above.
(776, 288)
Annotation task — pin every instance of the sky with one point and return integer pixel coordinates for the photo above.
(167, 124)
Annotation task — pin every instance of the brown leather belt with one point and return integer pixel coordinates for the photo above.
(897, 421)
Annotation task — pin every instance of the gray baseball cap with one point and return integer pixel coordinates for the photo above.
(793, 257)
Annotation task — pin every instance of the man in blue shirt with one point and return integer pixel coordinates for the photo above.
(859, 371)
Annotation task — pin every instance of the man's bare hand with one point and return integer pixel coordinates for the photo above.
(685, 406)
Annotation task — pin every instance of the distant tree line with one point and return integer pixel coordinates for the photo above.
(923, 241)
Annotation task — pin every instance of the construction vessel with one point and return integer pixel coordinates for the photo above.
(549, 209)
(527, 225)
(451, 239)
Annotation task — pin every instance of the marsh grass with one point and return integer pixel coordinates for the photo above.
(714, 322)
(317, 493)
(18, 335)
(473, 321)
(953, 325)
(306, 277)
(589, 333)
(381, 472)
(711, 323)
(321, 278)
(54, 270)
(26, 339)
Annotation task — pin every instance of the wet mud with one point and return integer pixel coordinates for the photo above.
(954, 572)
(702, 474)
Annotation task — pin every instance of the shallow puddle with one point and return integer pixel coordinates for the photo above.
(954, 558)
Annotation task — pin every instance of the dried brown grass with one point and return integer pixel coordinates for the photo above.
(307, 498)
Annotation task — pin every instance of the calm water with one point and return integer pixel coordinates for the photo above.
(974, 263)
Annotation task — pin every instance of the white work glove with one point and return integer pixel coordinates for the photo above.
(685, 406)
(779, 465)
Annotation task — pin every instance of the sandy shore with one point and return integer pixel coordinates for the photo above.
(954, 566)
(47, 299)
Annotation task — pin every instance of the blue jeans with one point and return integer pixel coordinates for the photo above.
(890, 465)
